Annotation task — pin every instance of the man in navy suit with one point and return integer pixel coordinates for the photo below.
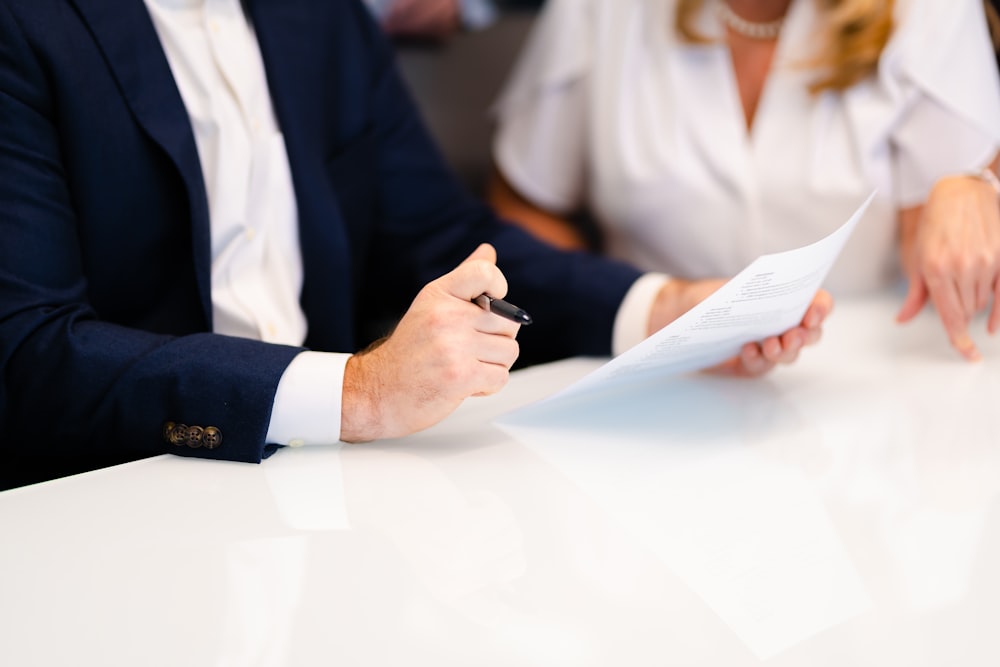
(207, 207)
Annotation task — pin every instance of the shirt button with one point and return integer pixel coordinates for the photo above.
(251, 234)
(296, 442)
(213, 26)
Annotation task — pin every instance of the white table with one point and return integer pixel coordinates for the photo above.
(840, 512)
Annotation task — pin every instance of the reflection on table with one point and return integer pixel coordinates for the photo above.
(843, 511)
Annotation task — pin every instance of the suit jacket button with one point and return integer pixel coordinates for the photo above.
(178, 435)
(168, 428)
(211, 437)
(194, 434)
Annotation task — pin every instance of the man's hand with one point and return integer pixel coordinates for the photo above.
(679, 296)
(433, 19)
(951, 254)
(444, 349)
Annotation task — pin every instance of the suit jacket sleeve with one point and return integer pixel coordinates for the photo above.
(78, 390)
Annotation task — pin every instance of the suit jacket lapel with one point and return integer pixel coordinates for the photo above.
(132, 49)
(298, 81)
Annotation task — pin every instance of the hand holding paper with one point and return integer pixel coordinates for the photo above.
(756, 357)
(762, 316)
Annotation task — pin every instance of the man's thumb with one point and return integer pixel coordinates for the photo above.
(485, 251)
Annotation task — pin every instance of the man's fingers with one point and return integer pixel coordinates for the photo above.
(495, 378)
(497, 350)
(490, 323)
(484, 252)
(496, 354)
(477, 274)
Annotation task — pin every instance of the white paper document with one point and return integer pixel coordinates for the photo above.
(768, 297)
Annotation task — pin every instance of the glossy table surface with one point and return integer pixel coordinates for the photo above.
(843, 511)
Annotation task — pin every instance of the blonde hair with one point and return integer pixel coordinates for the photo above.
(993, 21)
(855, 33)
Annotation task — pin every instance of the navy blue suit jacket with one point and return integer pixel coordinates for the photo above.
(105, 303)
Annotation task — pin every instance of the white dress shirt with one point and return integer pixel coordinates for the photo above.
(256, 258)
(608, 109)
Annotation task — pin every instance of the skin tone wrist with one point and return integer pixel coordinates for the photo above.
(677, 297)
(359, 416)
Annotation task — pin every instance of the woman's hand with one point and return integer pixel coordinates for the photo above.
(951, 254)
(679, 296)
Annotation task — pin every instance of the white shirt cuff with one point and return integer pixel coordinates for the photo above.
(307, 403)
(632, 321)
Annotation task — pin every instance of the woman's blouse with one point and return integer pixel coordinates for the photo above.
(609, 110)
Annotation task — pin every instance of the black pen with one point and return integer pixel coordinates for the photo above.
(503, 309)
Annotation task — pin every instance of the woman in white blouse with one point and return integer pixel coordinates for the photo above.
(702, 133)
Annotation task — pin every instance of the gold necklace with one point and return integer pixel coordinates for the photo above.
(765, 30)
